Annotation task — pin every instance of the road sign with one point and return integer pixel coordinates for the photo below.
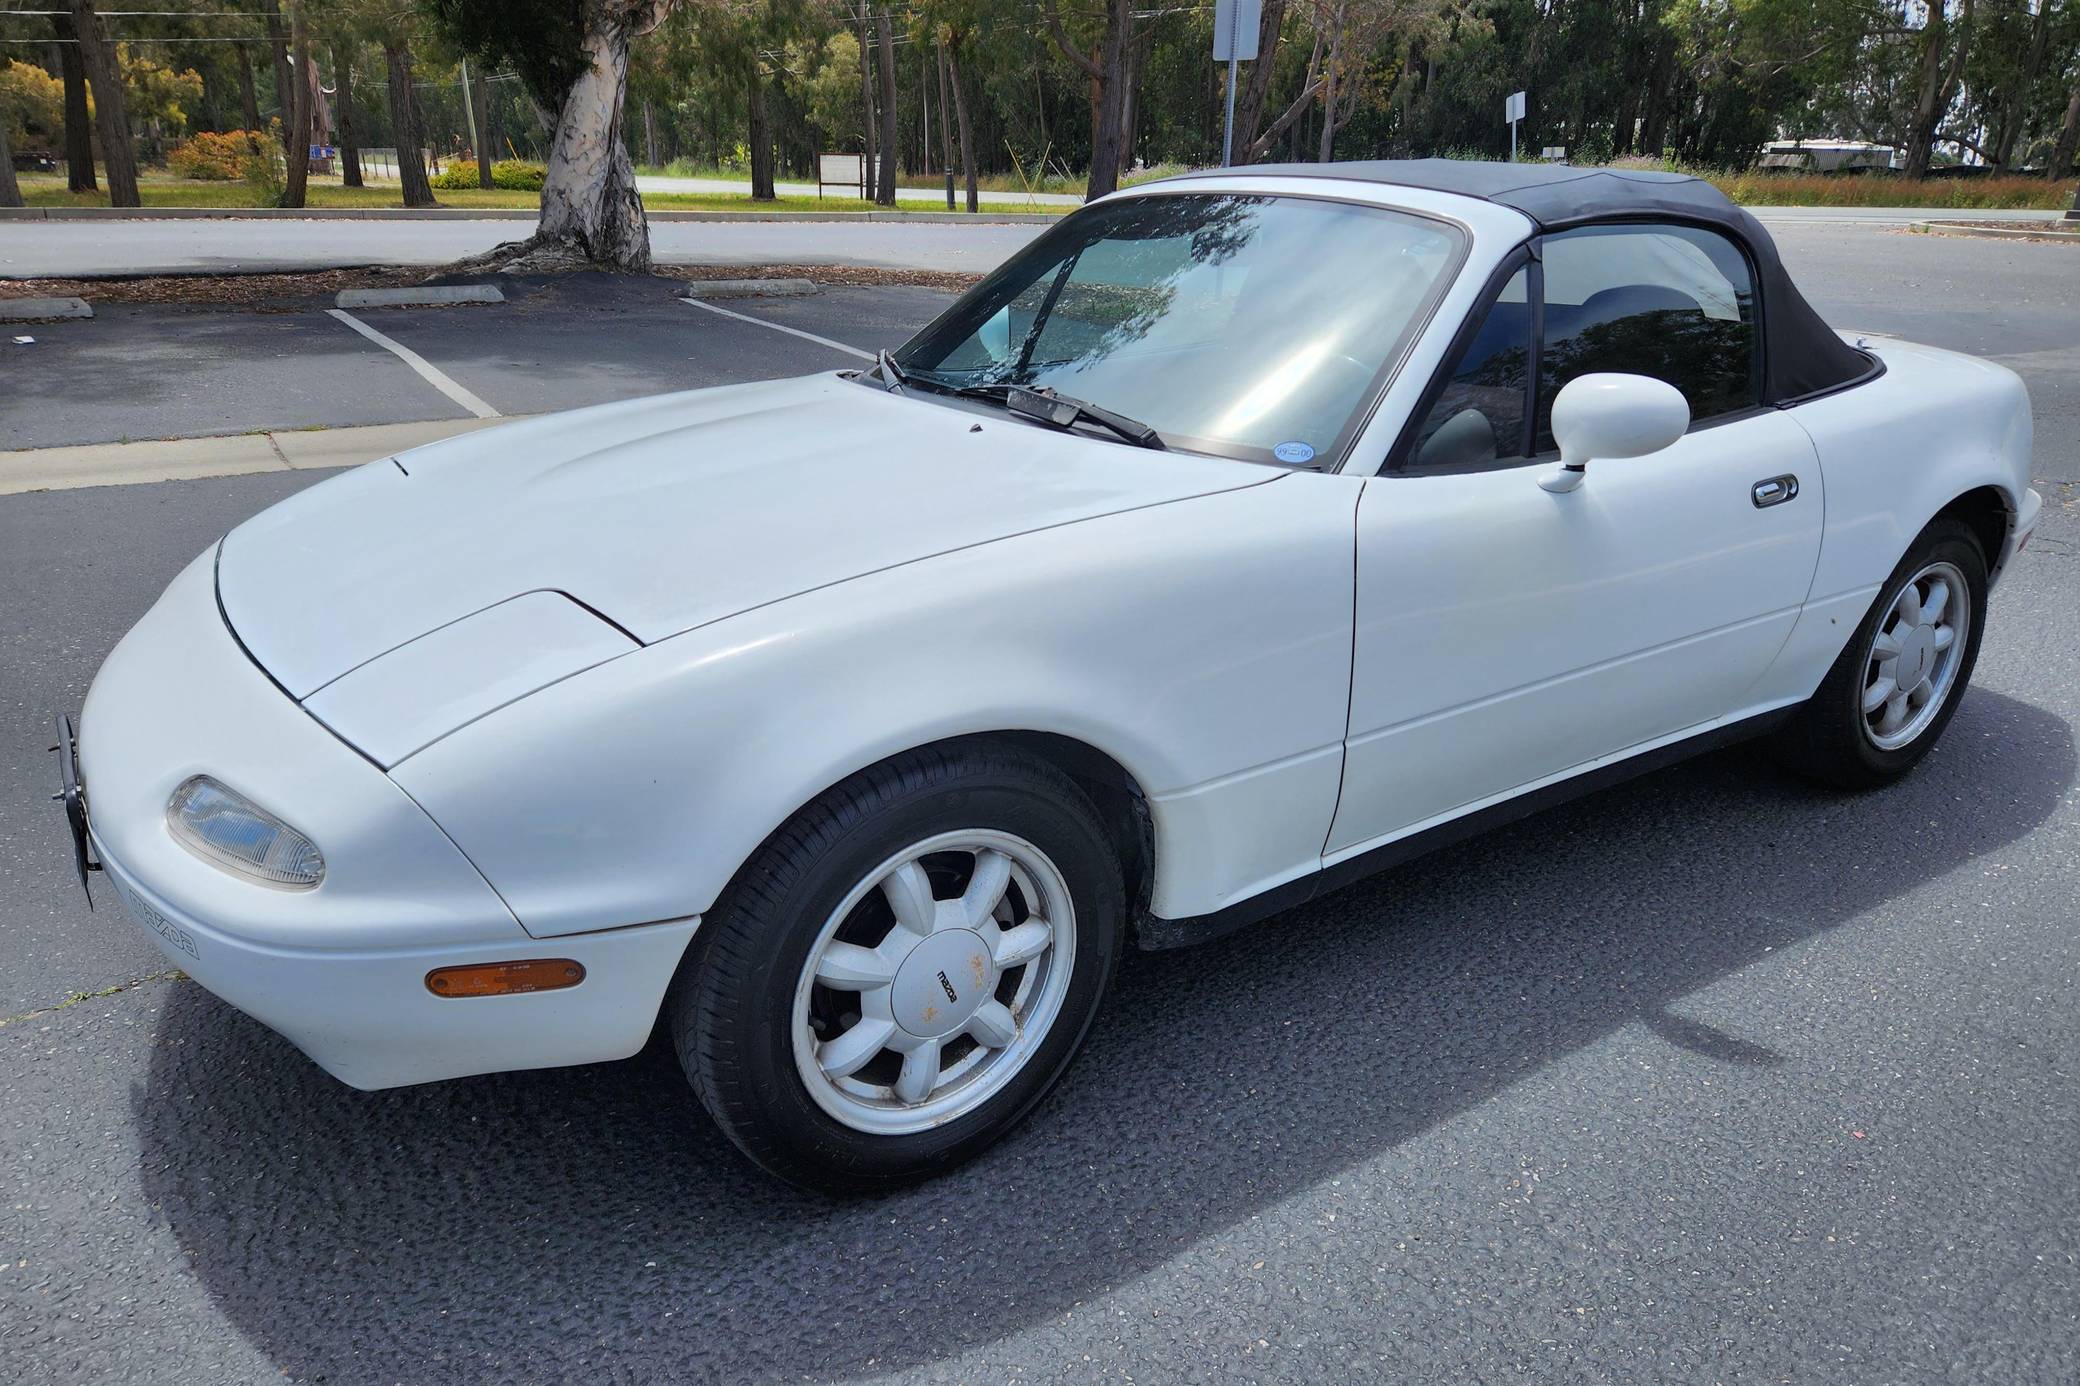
(1513, 111)
(1234, 40)
(1235, 24)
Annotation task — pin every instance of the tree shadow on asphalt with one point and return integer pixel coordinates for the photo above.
(590, 1222)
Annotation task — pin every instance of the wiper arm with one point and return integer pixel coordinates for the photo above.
(892, 375)
(1066, 411)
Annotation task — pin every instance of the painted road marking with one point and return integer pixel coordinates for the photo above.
(432, 374)
(790, 331)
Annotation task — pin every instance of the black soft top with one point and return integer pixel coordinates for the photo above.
(1801, 355)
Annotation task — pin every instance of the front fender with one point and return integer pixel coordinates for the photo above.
(1203, 644)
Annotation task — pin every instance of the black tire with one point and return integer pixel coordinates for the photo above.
(1829, 739)
(731, 1006)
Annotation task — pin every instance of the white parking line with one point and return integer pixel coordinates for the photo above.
(432, 374)
(790, 331)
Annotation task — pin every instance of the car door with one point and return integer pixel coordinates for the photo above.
(1507, 635)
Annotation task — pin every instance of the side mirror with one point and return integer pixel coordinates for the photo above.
(1611, 415)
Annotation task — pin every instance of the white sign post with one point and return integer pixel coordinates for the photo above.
(1513, 111)
(1234, 40)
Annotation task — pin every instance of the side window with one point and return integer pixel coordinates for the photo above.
(1672, 302)
(1480, 416)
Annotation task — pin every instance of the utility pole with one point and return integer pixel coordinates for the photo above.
(1235, 24)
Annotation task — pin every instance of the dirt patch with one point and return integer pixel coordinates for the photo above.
(261, 293)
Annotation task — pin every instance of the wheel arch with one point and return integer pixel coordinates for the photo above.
(1121, 800)
(1989, 512)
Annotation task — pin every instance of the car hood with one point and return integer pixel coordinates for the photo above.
(663, 514)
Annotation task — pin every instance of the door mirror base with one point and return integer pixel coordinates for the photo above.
(1568, 476)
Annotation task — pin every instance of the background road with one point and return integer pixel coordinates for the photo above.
(52, 249)
(1712, 1077)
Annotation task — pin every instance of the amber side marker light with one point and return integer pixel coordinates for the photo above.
(506, 978)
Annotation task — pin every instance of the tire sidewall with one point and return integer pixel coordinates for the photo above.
(1944, 542)
(761, 1008)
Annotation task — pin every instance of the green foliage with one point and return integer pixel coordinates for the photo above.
(511, 174)
(542, 40)
(32, 105)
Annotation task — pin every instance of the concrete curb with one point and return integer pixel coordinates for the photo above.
(747, 288)
(2039, 231)
(43, 309)
(425, 296)
(8, 214)
(177, 459)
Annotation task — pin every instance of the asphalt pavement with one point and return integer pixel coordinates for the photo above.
(1716, 1076)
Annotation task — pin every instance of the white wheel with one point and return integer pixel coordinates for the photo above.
(934, 981)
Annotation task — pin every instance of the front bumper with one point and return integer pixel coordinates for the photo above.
(339, 970)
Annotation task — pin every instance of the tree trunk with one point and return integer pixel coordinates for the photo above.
(248, 99)
(487, 153)
(2017, 114)
(960, 117)
(649, 134)
(866, 99)
(111, 116)
(349, 143)
(885, 187)
(10, 187)
(303, 101)
(1930, 90)
(591, 212)
(945, 124)
(404, 122)
(1108, 98)
(278, 44)
(2068, 139)
(1249, 102)
(761, 133)
(1327, 147)
(79, 133)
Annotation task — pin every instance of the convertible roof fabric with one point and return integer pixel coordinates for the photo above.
(1801, 355)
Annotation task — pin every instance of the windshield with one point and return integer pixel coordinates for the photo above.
(1254, 327)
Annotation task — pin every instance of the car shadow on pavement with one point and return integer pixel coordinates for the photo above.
(590, 1222)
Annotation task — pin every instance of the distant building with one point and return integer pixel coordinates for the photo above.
(1828, 156)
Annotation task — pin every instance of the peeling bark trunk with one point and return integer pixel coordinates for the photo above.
(960, 116)
(1249, 102)
(111, 117)
(2068, 140)
(79, 134)
(248, 99)
(404, 121)
(1934, 88)
(761, 132)
(302, 103)
(885, 186)
(10, 187)
(349, 143)
(592, 216)
(1107, 72)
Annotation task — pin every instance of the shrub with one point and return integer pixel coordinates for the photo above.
(510, 174)
(218, 158)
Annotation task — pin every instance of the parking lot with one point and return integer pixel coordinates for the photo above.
(1711, 1077)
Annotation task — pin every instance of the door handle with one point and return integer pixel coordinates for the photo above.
(1775, 491)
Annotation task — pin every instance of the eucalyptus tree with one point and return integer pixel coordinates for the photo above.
(573, 56)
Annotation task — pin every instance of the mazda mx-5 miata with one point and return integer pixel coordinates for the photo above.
(1244, 533)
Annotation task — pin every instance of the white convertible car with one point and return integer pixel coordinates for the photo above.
(1245, 533)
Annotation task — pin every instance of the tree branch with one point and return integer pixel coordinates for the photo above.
(1069, 50)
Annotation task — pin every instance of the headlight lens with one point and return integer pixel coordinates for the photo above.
(233, 832)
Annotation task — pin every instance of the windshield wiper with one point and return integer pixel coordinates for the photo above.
(892, 375)
(1061, 411)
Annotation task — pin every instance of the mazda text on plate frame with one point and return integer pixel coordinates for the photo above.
(1245, 533)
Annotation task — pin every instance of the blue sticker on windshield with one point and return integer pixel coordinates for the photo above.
(1293, 452)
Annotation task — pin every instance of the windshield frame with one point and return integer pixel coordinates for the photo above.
(1332, 458)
